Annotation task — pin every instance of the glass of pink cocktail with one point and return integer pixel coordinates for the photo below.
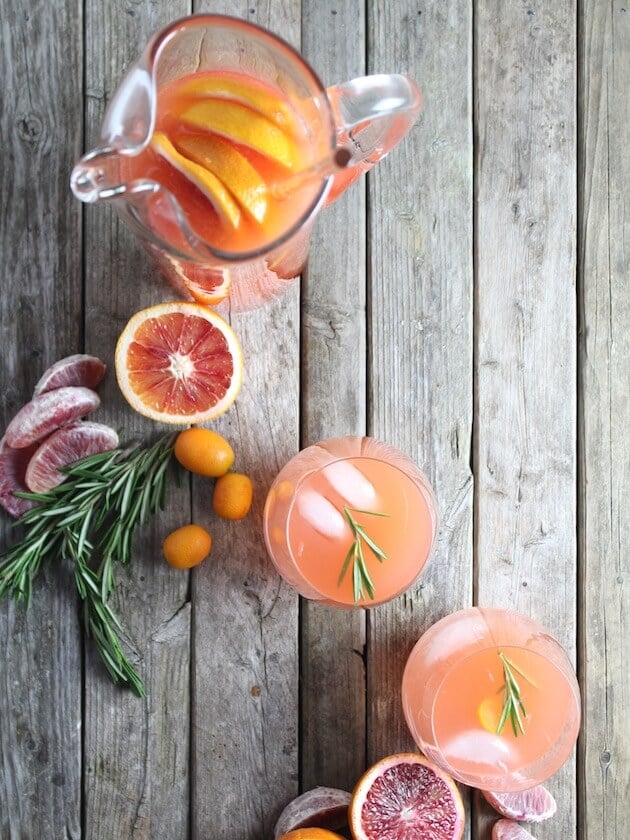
(350, 522)
(492, 698)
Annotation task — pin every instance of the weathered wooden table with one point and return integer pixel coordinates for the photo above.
(468, 302)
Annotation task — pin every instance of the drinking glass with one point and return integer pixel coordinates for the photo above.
(350, 522)
(491, 696)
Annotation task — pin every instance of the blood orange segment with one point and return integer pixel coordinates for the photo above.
(13, 466)
(47, 412)
(179, 363)
(405, 796)
(79, 369)
(322, 806)
(531, 806)
(64, 447)
(510, 830)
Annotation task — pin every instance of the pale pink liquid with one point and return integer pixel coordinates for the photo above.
(308, 536)
(452, 696)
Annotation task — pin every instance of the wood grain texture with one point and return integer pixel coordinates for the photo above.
(333, 400)
(40, 267)
(420, 310)
(136, 775)
(604, 376)
(245, 636)
(525, 79)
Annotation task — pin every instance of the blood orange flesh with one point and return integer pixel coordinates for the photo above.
(532, 806)
(79, 369)
(509, 830)
(13, 465)
(64, 447)
(179, 363)
(404, 797)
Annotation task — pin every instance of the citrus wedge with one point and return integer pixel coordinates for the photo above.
(242, 125)
(231, 168)
(406, 796)
(510, 830)
(244, 92)
(178, 363)
(214, 190)
(205, 285)
(533, 805)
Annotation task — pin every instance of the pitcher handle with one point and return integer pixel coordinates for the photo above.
(372, 115)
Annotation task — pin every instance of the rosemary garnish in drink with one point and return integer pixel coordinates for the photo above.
(95, 511)
(361, 579)
(513, 707)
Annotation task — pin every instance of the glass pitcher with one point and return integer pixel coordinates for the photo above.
(345, 129)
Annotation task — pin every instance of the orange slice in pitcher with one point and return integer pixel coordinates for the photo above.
(241, 125)
(245, 92)
(230, 167)
(179, 363)
(214, 190)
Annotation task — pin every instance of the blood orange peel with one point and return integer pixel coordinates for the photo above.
(405, 796)
(311, 834)
(179, 363)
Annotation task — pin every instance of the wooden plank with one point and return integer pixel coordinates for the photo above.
(40, 266)
(420, 231)
(245, 636)
(604, 362)
(333, 404)
(136, 752)
(526, 325)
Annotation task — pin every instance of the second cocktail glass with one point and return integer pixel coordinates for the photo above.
(492, 698)
(350, 522)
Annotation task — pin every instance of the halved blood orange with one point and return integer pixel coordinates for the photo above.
(405, 796)
(179, 363)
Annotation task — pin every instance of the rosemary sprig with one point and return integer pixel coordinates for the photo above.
(95, 512)
(513, 707)
(362, 582)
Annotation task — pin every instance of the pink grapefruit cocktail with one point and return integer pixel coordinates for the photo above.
(350, 521)
(492, 698)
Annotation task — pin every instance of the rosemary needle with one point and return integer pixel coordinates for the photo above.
(93, 513)
(513, 707)
(362, 583)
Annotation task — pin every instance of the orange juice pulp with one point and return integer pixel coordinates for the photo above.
(453, 696)
(315, 535)
(286, 129)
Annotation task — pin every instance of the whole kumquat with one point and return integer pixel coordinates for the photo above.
(204, 452)
(232, 497)
(187, 546)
